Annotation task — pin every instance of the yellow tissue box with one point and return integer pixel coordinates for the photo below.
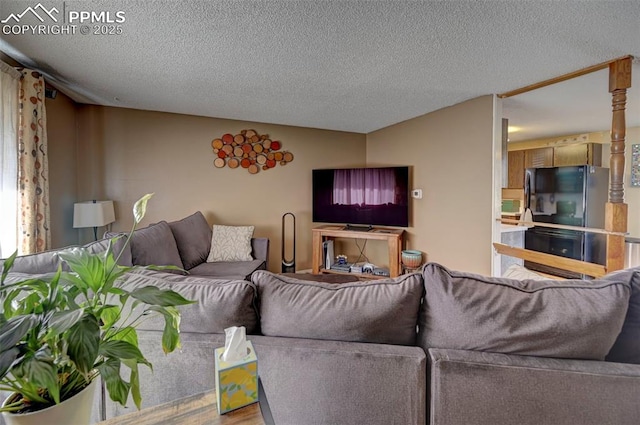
(236, 382)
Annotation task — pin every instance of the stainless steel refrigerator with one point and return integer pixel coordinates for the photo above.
(573, 196)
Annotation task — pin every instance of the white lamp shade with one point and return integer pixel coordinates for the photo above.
(93, 214)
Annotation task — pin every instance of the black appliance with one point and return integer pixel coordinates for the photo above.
(574, 196)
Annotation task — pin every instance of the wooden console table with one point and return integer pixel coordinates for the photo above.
(392, 236)
(198, 409)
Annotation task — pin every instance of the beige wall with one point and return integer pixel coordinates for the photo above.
(631, 194)
(122, 154)
(451, 155)
(125, 153)
(61, 135)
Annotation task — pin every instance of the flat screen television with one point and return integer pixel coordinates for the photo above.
(362, 196)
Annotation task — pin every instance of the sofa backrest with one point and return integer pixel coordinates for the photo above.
(220, 303)
(626, 349)
(184, 243)
(577, 319)
(260, 249)
(48, 261)
(381, 311)
(39, 263)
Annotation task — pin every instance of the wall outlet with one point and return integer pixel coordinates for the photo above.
(416, 193)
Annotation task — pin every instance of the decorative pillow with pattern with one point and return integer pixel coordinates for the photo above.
(231, 243)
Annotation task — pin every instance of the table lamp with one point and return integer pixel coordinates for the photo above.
(93, 214)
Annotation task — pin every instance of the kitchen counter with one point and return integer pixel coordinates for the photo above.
(512, 235)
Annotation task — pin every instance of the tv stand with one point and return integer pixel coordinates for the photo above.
(392, 236)
(354, 228)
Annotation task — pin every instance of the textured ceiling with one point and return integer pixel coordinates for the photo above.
(342, 65)
(576, 106)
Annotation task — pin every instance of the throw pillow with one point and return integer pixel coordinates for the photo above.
(155, 245)
(118, 240)
(627, 346)
(383, 311)
(230, 243)
(193, 238)
(550, 318)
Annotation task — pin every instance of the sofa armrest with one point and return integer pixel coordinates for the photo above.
(306, 381)
(260, 249)
(320, 382)
(479, 387)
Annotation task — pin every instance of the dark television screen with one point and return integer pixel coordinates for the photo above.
(365, 196)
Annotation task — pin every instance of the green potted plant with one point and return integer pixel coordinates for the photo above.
(57, 335)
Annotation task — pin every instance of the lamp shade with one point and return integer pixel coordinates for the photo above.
(93, 214)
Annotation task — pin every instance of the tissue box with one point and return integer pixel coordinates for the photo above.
(236, 382)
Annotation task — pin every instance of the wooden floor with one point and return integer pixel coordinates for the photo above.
(198, 409)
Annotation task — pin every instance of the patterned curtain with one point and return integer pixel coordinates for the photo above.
(34, 234)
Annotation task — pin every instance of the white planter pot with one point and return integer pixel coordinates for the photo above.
(76, 411)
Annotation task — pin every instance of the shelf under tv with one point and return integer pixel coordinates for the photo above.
(361, 276)
(394, 238)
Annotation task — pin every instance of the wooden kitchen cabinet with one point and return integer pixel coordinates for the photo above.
(559, 156)
(516, 170)
(582, 154)
(538, 158)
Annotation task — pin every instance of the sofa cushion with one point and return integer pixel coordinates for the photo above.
(383, 311)
(565, 319)
(626, 349)
(228, 269)
(231, 243)
(326, 277)
(193, 238)
(155, 245)
(221, 303)
(48, 261)
(15, 277)
(41, 262)
(118, 241)
(315, 382)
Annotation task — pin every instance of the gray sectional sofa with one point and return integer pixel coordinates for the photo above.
(184, 244)
(438, 347)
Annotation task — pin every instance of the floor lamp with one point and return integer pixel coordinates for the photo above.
(93, 214)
